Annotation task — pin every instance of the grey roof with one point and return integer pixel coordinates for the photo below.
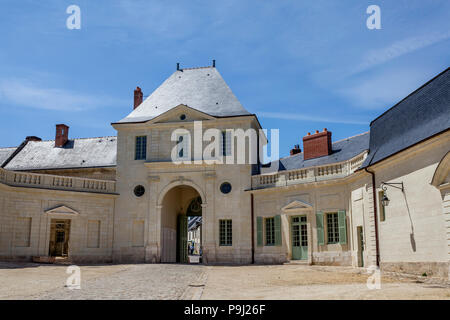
(194, 222)
(421, 115)
(76, 153)
(202, 89)
(342, 150)
(5, 153)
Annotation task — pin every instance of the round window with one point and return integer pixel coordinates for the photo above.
(182, 117)
(225, 187)
(139, 191)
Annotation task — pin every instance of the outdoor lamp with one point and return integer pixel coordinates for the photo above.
(385, 200)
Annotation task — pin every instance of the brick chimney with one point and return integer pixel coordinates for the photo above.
(295, 150)
(317, 145)
(137, 97)
(62, 135)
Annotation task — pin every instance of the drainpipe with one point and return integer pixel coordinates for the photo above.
(377, 247)
(253, 230)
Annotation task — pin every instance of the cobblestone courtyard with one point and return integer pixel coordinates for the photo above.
(170, 281)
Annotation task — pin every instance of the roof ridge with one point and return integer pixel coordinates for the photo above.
(356, 135)
(193, 68)
(3, 148)
(77, 139)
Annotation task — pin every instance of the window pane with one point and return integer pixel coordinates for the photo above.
(332, 227)
(141, 148)
(225, 233)
(270, 231)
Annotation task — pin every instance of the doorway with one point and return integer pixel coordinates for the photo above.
(59, 238)
(299, 236)
(359, 231)
(179, 203)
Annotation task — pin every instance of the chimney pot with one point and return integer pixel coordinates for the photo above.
(62, 135)
(324, 129)
(295, 150)
(317, 131)
(138, 95)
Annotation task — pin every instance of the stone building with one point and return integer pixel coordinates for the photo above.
(377, 198)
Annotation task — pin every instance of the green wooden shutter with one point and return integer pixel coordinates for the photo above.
(259, 231)
(277, 220)
(319, 225)
(342, 227)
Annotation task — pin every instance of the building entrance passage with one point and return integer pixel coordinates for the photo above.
(59, 238)
(178, 204)
(299, 235)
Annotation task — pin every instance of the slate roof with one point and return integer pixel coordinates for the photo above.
(76, 153)
(202, 89)
(342, 150)
(5, 153)
(421, 115)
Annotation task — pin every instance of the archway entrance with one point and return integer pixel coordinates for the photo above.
(178, 205)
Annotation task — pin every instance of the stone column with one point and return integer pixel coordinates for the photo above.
(209, 225)
(153, 229)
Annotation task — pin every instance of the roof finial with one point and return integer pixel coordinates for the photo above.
(214, 63)
(178, 66)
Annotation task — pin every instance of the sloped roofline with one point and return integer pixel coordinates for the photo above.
(409, 95)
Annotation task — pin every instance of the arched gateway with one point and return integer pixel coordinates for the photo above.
(178, 202)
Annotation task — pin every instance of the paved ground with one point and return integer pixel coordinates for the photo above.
(313, 282)
(139, 281)
(170, 281)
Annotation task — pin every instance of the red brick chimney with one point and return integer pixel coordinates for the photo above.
(295, 150)
(62, 135)
(137, 97)
(317, 145)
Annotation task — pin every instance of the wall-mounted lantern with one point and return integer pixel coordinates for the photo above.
(385, 200)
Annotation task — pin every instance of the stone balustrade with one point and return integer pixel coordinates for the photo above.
(305, 175)
(47, 181)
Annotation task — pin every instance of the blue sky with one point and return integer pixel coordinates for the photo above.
(299, 65)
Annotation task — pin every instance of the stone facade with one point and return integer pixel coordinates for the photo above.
(326, 211)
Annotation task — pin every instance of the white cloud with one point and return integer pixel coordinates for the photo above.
(385, 89)
(27, 94)
(399, 48)
(300, 117)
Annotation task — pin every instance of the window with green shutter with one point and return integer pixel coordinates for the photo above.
(319, 226)
(342, 227)
(259, 231)
(277, 220)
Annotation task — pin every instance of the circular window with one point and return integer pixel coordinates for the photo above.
(225, 187)
(139, 191)
(182, 117)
